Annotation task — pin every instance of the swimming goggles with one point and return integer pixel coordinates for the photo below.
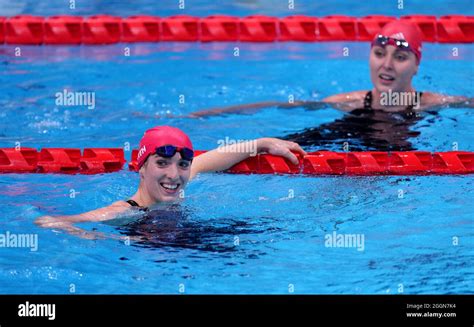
(168, 151)
(382, 40)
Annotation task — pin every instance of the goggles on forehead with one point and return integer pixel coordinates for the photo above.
(382, 40)
(168, 151)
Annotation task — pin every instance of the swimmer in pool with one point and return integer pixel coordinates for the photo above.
(166, 164)
(395, 57)
(379, 119)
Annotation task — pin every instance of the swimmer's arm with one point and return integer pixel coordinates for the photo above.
(237, 109)
(460, 102)
(253, 107)
(66, 223)
(346, 101)
(225, 157)
(435, 101)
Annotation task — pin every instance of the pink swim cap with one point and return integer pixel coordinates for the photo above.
(404, 30)
(159, 136)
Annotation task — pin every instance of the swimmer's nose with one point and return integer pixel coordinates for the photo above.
(172, 172)
(388, 63)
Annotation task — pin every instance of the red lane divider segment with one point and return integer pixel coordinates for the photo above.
(141, 29)
(106, 29)
(61, 160)
(18, 161)
(368, 26)
(2, 29)
(426, 24)
(298, 28)
(220, 28)
(63, 30)
(337, 28)
(24, 29)
(104, 160)
(102, 29)
(258, 28)
(455, 27)
(180, 28)
(356, 163)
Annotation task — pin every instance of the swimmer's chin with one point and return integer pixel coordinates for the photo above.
(166, 200)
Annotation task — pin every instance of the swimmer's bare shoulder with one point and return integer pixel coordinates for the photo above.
(347, 101)
(433, 101)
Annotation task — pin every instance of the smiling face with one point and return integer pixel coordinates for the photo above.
(392, 68)
(163, 178)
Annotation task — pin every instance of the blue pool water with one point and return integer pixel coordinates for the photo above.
(234, 233)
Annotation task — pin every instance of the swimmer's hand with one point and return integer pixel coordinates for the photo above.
(225, 157)
(281, 148)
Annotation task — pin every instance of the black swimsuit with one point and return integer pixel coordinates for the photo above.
(364, 129)
(368, 101)
(135, 204)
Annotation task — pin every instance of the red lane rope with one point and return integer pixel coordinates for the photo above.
(104, 160)
(105, 29)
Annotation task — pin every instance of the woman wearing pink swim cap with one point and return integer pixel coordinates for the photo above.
(166, 164)
(395, 56)
(394, 60)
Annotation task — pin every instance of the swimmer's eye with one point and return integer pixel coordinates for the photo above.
(379, 53)
(162, 163)
(185, 164)
(401, 57)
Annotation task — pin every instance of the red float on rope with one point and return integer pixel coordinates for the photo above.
(219, 28)
(298, 28)
(104, 29)
(63, 30)
(258, 28)
(426, 25)
(455, 28)
(96, 160)
(269, 164)
(337, 28)
(141, 29)
(324, 163)
(248, 166)
(455, 162)
(180, 28)
(368, 26)
(366, 163)
(18, 160)
(2, 29)
(102, 160)
(59, 160)
(24, 29)
(410, 162)
(133, 164)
